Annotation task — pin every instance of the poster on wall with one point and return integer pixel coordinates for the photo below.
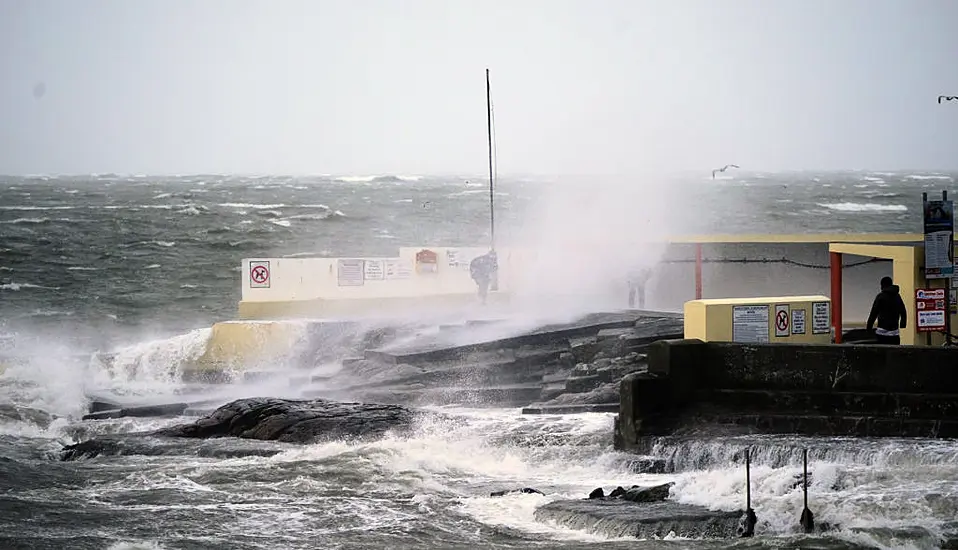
(349, 272)
(930, 309)
(939, 229)
(427, 261)
(750, 324)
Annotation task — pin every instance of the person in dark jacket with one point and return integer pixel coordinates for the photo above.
(889, 310)
(483, 269)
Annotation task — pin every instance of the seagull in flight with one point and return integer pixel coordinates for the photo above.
(724, 168)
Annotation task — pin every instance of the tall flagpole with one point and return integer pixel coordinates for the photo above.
(492, 199)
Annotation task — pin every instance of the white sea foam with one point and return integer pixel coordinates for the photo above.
(864, 207)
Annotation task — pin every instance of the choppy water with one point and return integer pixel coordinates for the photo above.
(149, 263)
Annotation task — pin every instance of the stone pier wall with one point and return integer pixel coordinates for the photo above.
(809, 389)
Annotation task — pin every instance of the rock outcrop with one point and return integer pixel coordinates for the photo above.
(566, 366)
(642, 512)
(265, 419)
(296, 421)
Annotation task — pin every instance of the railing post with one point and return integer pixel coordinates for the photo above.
(836, 278)
(698, 271)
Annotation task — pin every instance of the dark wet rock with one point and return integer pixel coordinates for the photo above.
(623, 518)
(655, 493)
(264, 419)
(636, 493)
(524, 490)
(649, 465)
(296, 421)
(146, 411)
(598, 350)
(25, 414)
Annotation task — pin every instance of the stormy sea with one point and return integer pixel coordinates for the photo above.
(141, 266)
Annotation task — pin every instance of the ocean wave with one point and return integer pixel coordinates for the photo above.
(253, 206)
(163, 244)
(19, 286)
(377, 179)
(33, 207)
(928, 177)
(864, 207)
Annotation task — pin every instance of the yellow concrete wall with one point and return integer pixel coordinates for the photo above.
(712, 320)
(241, 344)
(381, 307)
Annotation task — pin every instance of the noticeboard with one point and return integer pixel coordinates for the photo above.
(349, 273)
(930, 306)
(750, 324)
(938, 219)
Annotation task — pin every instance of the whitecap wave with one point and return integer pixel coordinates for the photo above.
(864, 207)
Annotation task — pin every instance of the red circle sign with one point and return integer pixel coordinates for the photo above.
(259, 274)
(782, 320)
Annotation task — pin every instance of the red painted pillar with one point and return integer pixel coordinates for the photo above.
(836, 269)
(698, 271)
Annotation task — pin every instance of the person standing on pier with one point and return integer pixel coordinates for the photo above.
(637, 281)
(889, 310)
(483, 270)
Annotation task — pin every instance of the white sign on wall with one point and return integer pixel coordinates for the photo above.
(373, 270)
(750, 324)
(782, 321)
(396, 269)
(798, 321)
(349, 272)
(820, 318)
(259, 275)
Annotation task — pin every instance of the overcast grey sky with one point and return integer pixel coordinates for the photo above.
(397, 86)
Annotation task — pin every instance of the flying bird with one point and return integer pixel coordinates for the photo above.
(724, 168)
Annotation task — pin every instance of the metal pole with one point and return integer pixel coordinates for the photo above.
(698, 271)
(951, 250)
(492, 196)
(836, 279)
(747, 526)
(807, 521)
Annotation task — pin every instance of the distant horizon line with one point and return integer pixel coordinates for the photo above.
(466, 176)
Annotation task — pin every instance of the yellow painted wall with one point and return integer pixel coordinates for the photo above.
(381, 307)
(908, 263)
(711, 320)
(240, 344)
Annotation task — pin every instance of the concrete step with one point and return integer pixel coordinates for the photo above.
(839, 425)
(441, 347)
(916, 406)
(572, 409)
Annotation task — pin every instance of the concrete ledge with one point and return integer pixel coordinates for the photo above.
(362, 307)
